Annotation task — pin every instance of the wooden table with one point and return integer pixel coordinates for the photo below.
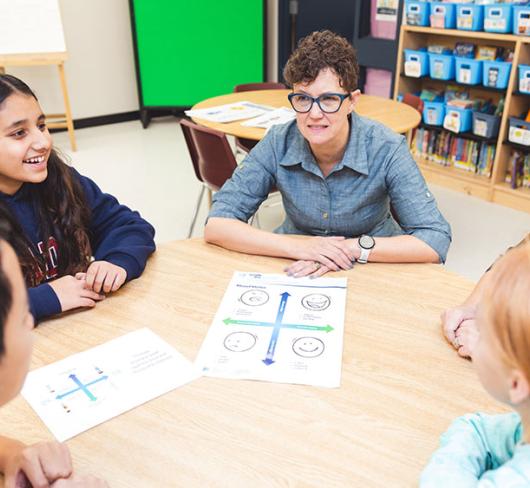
(396, 115)
(402, 384)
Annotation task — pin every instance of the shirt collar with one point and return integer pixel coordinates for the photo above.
(355, 156)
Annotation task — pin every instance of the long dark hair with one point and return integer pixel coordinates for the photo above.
(61, 208)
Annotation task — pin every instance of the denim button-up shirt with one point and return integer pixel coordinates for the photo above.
(376, 181)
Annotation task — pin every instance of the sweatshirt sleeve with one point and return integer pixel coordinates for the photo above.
(118, 234)
(43, 302)
(472, 445)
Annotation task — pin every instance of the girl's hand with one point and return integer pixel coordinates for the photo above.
(333, 252)
(38, 465)
(105, 276)
(73, 293)
(80, 482)
(467, 336)
(313, 269)
(452, 318)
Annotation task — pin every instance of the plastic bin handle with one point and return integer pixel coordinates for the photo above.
(465, 66)
(495, 12)
(414, 8)
(466, 12)
(524, 15)
(439, 10)
(527, 75)
(414, 57)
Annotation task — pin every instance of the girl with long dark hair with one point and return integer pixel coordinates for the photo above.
(75, 243)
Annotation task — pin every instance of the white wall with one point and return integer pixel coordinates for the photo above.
(100, 70)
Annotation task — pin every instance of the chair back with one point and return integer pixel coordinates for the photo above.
(188, 137)
(413, 101)
(269, 85)
(216, 161)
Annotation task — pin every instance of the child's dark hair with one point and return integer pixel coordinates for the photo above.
(6, 292)
(62, 208)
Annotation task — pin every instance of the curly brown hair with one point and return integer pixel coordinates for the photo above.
(320, 50)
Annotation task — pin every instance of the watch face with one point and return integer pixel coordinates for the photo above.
(366, 242)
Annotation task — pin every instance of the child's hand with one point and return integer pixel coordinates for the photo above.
(467, 336)
(452, 318)
(105, 276)
(38, 465)
(74, 293)
(80, 482)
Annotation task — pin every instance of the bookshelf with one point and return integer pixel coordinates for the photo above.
(494, 188)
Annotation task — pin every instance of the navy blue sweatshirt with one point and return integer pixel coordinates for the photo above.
(118, 235)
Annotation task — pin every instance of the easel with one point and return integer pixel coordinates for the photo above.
(57, 121)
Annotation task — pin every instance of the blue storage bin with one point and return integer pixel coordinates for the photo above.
(458, 119)
(496, 73)
(498, 18)
(521, 20)
(524, 78)
(417, 12)
(416, 63)
(433, 113)
(442, 66)
(519, 131)
(470, 17)
(468, 71)
(443, 15)
(485, 125)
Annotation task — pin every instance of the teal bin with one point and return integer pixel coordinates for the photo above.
(416, 63)
(498, 18)
(470, 16)
(433, 113)
(458, 119)
(443, 15)
(468, 71)
(521, 20)
(496, 74)
(417, 12)
(442, 66)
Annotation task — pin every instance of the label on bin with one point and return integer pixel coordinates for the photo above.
(464, 74)
(495, 24)
(523, 23)
(524, 84)
(413, 68)
(481, 127)
(465, 22)
(519, 135)
(438, 69)
(438, 20)
(431, 116)
(493, 76)
(452, 121)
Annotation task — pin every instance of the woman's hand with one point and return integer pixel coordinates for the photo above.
(38, 465)
(333, 252)
(105, 276)
(313, 269)
(72, 292)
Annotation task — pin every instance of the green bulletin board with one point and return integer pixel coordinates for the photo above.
(189, 50)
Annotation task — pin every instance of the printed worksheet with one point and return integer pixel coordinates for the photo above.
(91, 387)
(229, 112)
(276, 328)
(266, 121)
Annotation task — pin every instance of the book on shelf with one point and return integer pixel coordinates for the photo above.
(518, 170)
(448, 149)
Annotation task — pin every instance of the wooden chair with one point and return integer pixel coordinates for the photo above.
(212, 158)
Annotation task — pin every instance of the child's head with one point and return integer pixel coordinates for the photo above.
(16, 324)
(25, 143)
(502, 355)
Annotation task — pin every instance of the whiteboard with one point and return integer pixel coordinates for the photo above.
(31, 26)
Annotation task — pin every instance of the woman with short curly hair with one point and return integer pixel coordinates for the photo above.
(350, 187)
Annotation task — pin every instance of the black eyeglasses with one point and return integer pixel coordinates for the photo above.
(327, 102)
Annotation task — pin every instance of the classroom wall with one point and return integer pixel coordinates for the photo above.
(100, 69)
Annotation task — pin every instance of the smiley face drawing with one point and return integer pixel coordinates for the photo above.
(308, 347)
(316, 302)
(239, 341)
(254, 298)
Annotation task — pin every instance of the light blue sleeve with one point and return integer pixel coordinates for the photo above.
(472, 445)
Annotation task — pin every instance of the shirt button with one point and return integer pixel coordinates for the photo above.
(325, 215)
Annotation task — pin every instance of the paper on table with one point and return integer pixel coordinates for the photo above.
(229, 112)
(91, 387)
(266, 121)
(276, 328)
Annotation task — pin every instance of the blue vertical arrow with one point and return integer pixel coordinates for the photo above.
(276, 331)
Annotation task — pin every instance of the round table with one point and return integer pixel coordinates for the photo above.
(396, 115)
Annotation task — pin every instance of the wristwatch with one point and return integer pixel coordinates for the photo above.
(366, 243)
